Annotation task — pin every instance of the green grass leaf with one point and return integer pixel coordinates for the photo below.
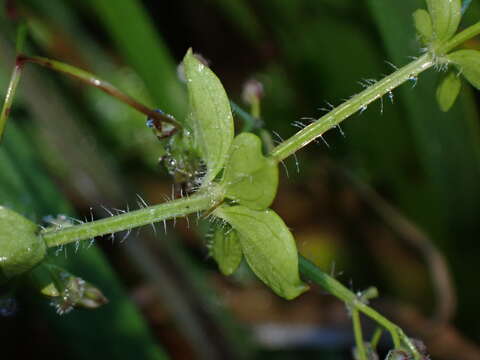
(250, 178)
(268, 247)
(210, 116)
(448, 90)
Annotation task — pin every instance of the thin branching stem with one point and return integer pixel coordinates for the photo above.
(334, 287)
(377, 335)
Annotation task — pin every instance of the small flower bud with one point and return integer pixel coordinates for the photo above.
(21, 248)
(252, 91)
(66, 291)
(92, 297)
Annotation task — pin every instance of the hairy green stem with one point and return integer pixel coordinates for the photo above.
(357, 331)
(148, 215)
(7, 105)
(357, 103)
(103, 85)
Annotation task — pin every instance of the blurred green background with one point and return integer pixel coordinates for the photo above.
(392, 201)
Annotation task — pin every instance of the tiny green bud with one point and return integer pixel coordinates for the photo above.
(368, 294)
(21, 248)
(92, 297)
(67, 291)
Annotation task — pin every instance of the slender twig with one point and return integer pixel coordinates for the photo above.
(357, 331)
(105, 86)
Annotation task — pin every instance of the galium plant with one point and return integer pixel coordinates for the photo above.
(232, 182)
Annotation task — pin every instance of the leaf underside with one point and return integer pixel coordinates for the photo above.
(268, 247)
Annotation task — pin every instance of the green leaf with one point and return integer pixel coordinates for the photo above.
(20, 246)
(226, 250)
(446, 16)
(468, 62)
(268, 247)
(250, 178)
(210, 116)
(423, 24)
(448, 90)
